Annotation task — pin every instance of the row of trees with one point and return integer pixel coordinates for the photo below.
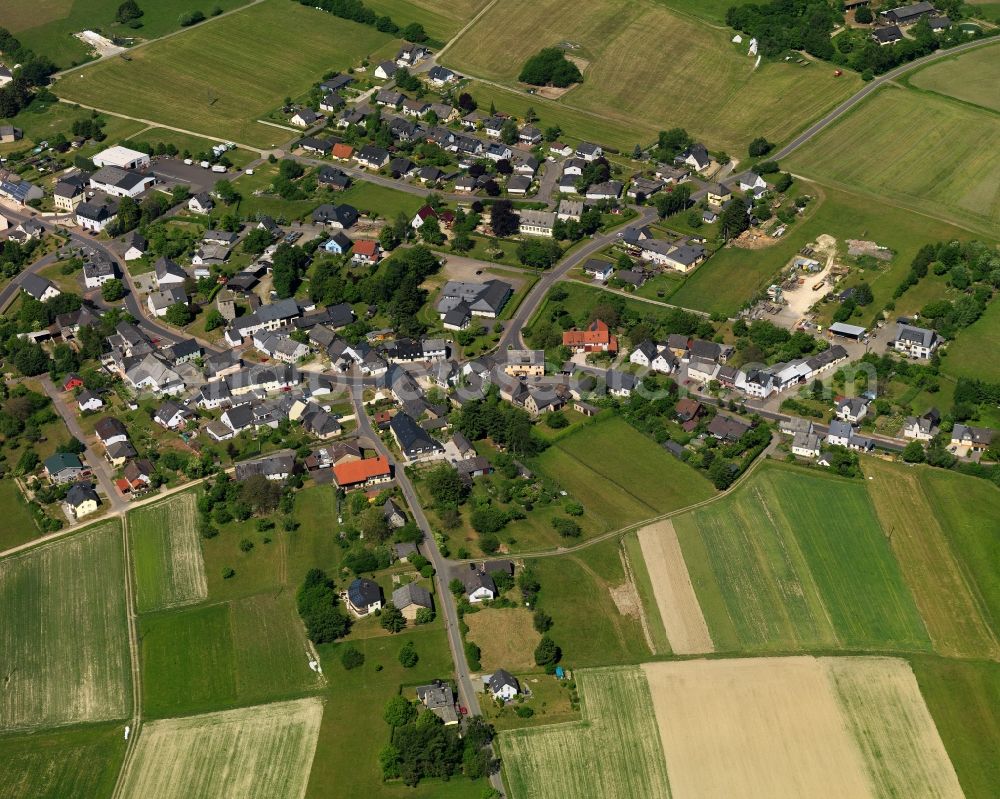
(357, 11)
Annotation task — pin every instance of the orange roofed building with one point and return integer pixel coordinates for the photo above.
(596, 338)
(342, 151)
(355, 474)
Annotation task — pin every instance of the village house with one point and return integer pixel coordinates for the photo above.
(117, 182)
(350, 474)
(440, 700)
(171, 416)
(410, 598)
(364, 596)
(596, 337)
(82, 500)
(922, 428)
(852, 409)
(977, 439)
(916, 342)
(88, 402)
(96, 214)
(39, 288)
(64, 467)
(278, 466)
(135, 246)
(70, 191)
(503, 685)
(525, 363)
(536, 223)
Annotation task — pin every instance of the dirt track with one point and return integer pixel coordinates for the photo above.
(679, 610)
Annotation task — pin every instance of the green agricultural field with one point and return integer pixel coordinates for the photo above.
(631, 78)
(962, 504)
(588, 625)
(347, 754)
(862, 151)
(947, 599)
(614, 753)
(72, 763)
(223, 655)
(793, 560)
(964, 700)
(712, 11)
(210, 80)
(441, 19)
(255, 751)
(620, 475)
(48, 27)
(724, 282)
(166, 546)
(19, 525)
(63, 643)
(972, 77)
(964, 355)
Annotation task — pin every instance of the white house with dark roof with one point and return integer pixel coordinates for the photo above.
(917, 342)
(39, 288)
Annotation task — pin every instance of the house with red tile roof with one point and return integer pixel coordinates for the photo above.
(596, 337)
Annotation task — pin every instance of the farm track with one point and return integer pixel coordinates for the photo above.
(133, 648)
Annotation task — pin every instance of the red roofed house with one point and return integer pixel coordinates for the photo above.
(342, 151)
(356, 474)
(366, 252)
(422, 216)
(596, 338)
(71, 382)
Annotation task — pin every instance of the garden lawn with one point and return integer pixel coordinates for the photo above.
(213, 81)
(880, 147)
(71, 763)
(794, 561)
(224, 655)
(587, 624)
(972, 77)
(632, 79)
(964, 700)
(621, 476)
(19, 525)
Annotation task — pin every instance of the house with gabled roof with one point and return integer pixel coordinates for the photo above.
(364, 596)
(410, 598)
(596, 337)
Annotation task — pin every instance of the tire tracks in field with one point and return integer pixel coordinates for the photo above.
(133, 649)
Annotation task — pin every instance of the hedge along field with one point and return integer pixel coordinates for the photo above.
(947, 601)
(614, 753)
(263, 752)
(441, 19)
(793, 560)
(881, 147)
(166, 546)
(700, 81)
(213, 80)
(620, 475)
(63, 640)
(224, 655)
(69, 763)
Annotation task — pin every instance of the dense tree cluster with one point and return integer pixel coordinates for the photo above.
(317, 604)
(357, 11)
(422, 746)
(550, 67)
(501, 422)
(782, 25)
(34, 71)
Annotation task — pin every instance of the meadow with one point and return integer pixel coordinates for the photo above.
(890, 161)
(620, 475)
(964, 355)
(167, 554)
(795, 561)
(223, 655)
(613, 753)
(70, 763)
(587, 624)
(946, 598)
(347, 753)
(972, 77)
(48, 28)
(700, 82)
(211, 81)
(63, 644)
(964, 700)
(263, 751)
(732, 275)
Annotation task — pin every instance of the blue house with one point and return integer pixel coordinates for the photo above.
(339, 244)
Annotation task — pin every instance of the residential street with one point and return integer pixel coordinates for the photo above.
(98, 465)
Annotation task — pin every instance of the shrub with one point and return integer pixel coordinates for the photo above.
(351, 658)
(408, 655)
(566, 527)
(228, 573)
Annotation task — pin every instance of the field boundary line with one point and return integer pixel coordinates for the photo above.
(615, 483)
(465, 28)
(133, 650)
(627, 567)
(276, 125)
